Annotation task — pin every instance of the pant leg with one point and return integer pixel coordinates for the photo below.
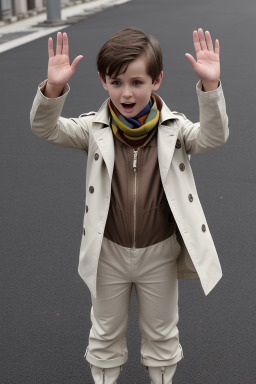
(157, 295)
(109, 314)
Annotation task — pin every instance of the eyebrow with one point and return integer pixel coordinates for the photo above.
(132, 78)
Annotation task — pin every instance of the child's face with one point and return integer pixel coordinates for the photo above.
(130, 92)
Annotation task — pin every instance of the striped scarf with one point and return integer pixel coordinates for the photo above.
(138, 127)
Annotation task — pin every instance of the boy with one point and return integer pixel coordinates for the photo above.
(140, 193)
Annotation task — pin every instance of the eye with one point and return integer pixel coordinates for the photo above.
(116, 82)
(137, 82)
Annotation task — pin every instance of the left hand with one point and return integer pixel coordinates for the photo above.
(207, 65)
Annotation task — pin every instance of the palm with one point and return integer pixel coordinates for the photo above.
(207, 63)
(59, 69)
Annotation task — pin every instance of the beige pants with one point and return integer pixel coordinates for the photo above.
(153, 272)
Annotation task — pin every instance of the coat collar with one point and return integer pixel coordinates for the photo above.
(102, 116)
(166, 114)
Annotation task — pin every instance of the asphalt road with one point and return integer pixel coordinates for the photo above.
(44, 305)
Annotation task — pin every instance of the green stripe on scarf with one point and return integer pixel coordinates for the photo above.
(129, 130)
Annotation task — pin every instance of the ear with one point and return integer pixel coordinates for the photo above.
(103, 82)
(158, 81)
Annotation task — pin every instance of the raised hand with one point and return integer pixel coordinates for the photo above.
(59, 69)
(207, 63)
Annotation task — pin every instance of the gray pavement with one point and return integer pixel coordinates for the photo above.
(45, 306)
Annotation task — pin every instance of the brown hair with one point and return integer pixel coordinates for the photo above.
(126, 46)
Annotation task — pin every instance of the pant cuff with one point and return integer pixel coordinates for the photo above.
(151, 362)
(110, 363)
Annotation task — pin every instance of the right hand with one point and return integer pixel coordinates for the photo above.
(59, 69)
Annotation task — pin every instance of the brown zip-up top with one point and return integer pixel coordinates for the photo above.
(139, 214)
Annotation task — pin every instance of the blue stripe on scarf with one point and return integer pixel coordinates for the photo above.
(135, 123)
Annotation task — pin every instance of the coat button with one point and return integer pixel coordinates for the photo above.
(86, 208)
(203, 228)
(91, 189)
(84, 231)
(96, 156)
(182, 167)
(190, 197)
(178, 144)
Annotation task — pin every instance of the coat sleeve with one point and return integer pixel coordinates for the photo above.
(47, 123)
(212, 131)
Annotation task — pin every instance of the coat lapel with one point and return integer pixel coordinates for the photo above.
(104, 137)
(166, 139)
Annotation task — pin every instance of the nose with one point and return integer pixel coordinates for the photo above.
(127, 92)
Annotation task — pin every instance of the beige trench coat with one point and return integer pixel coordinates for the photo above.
(91, 133)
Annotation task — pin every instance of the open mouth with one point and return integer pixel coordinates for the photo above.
(128, 107)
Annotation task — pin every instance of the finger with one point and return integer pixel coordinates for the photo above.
(59, 43)
(65, 49)
(197, 44)
(209, 41)
(202, 39)
(191, 60)
(50, 48)
(217, 47)
(75, 63)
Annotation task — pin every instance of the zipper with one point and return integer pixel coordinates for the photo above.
(135, 164)
(103, 374)
(163, 371)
